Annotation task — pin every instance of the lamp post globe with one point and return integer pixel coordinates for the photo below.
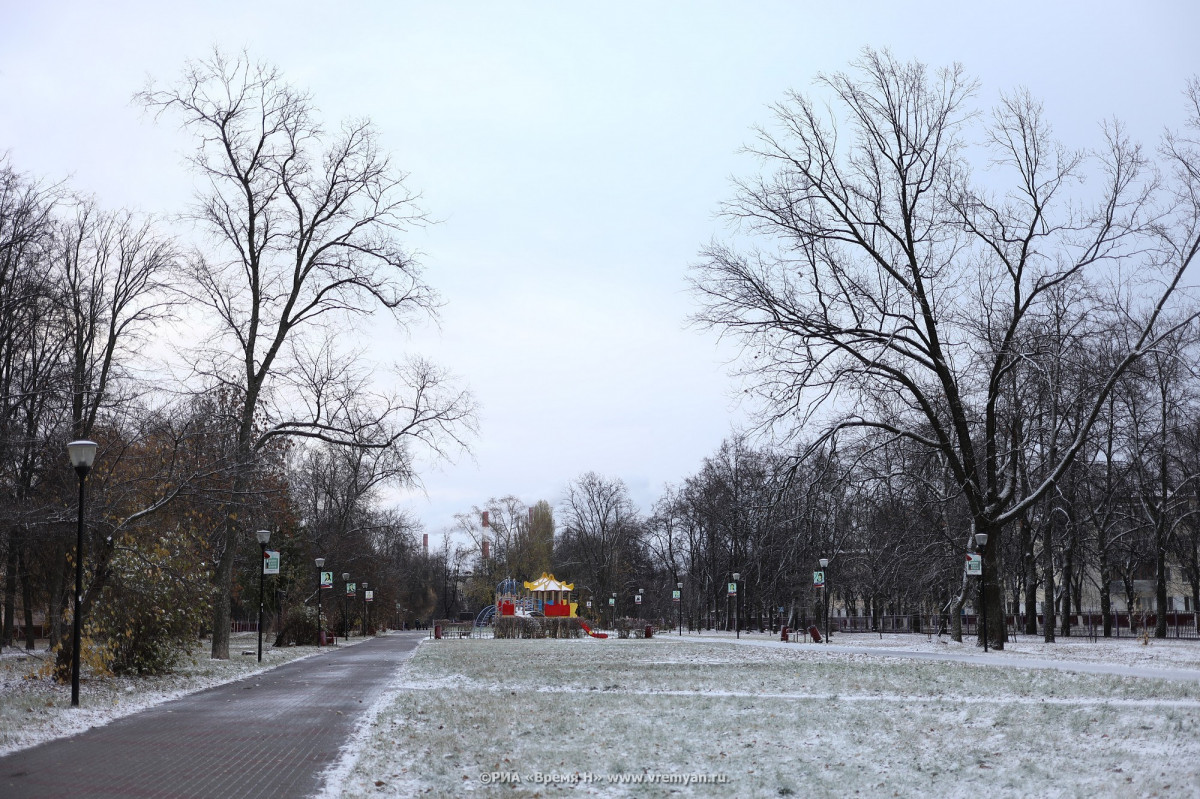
(82, 454)
(264, 537)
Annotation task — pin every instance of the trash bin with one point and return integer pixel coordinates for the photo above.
(322, 640)
(815, 633)
(649, 631)
(437, 631)
(783, 634)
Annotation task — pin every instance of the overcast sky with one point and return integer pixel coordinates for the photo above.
(575, 154)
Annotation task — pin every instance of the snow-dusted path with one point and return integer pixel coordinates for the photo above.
(1163, 669)
(269, 735)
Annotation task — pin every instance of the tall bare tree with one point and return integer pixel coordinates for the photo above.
(303, 238)
(892, 292)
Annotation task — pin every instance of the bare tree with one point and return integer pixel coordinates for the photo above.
(303, 229)
(601, 532)
(893, 294)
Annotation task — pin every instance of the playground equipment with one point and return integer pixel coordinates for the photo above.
(545, 596)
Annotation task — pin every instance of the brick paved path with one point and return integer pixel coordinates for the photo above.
(269, 735)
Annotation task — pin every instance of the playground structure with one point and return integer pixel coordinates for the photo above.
(544, 597)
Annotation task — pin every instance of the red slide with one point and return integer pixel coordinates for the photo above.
(588, 630)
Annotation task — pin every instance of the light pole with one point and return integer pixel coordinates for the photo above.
(366, 609)
(345, 617)
(320, 629)
(641, 592)
(737, 604)
(83, 455)
(981, 544)
(264, 537)
(825, 594)
(612, 604)
(679, 588)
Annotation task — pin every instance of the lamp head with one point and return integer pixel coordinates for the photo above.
(679, 586)
(737, 576)
(824, 562)
(320, 562)
(981, 539)
(263, 536)
(345, 577)
(82, 454)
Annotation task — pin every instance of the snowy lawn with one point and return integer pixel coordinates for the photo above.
(33, 710)
(787, 720)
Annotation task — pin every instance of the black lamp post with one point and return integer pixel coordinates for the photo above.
(320, 629)
(825, 594)
(679, 588)
(83, 455)
(366, 610)
(737, 604)
(264, 537)
(612, 603)
(345, 616)
(981, 540)
(641, 592)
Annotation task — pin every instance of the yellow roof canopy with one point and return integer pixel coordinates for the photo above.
(547, 583)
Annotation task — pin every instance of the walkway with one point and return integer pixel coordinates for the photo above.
(270, 735)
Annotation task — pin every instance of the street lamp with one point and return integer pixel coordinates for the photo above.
(320, 629)
(981, 544)
(612, 603)
(366, 610)
(737, 604)
(679, 587)
(83, 455)
(641, 591)
(825, 594)
(264, 537)
(345, 616)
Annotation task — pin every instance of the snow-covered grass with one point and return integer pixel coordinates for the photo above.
(33, 709)
(775, 720)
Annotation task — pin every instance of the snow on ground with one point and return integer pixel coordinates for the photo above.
(33, 709)
(546, 717)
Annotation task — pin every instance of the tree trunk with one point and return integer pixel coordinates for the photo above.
(10, 591)
(1048, 576)
(27, 602)
(989, 589)
(58, 571)
(1067, 576)
(1160, 589)
(1029, 566)
(1105, 581)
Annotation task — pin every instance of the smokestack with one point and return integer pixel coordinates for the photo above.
(425, 543)
(531, 515)
(487, 547)
(485, 519)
